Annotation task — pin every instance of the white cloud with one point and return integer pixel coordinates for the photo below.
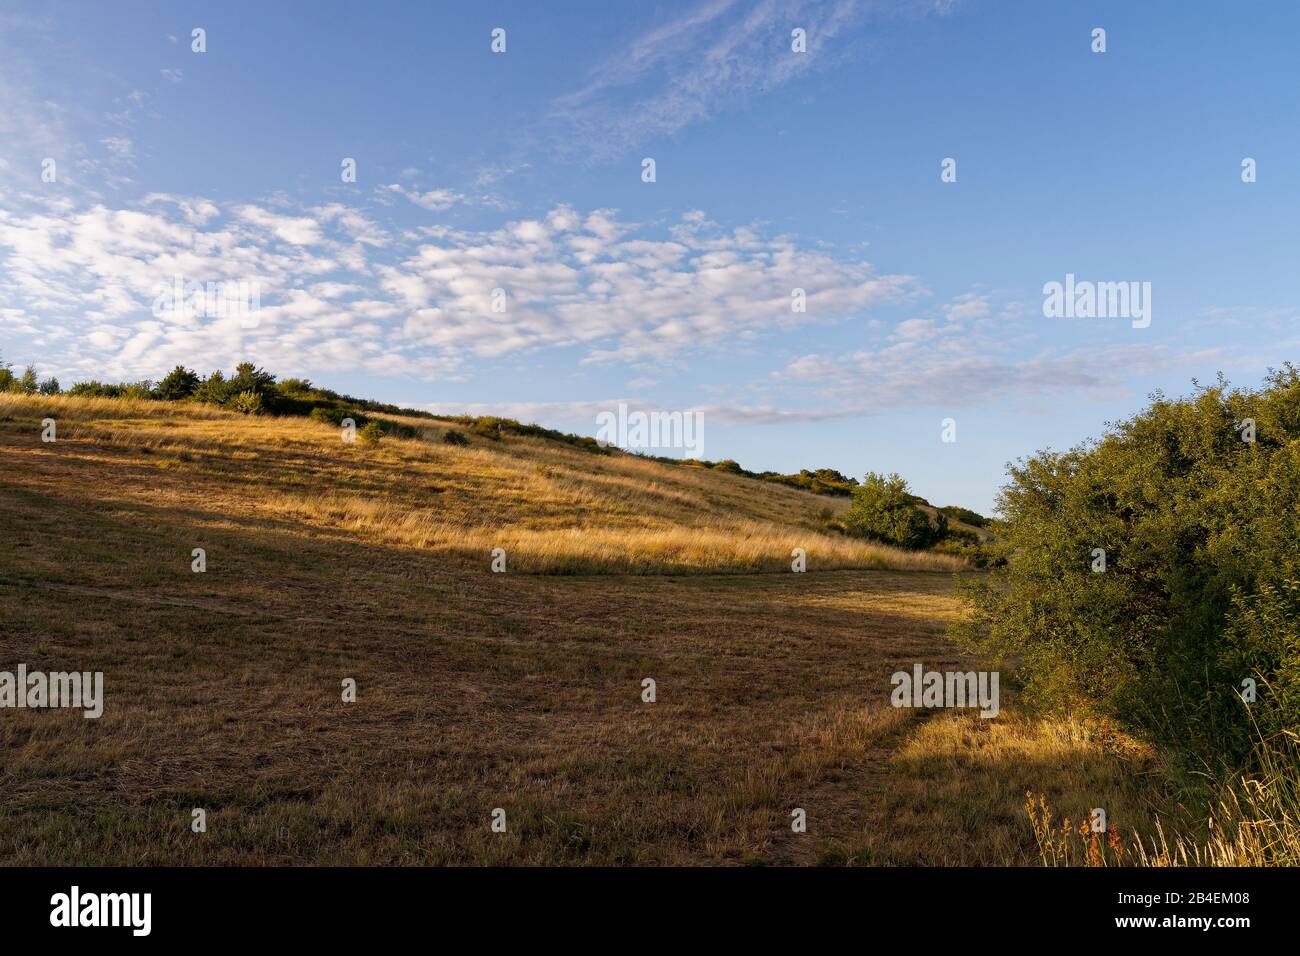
(967, 307)
(298, 230)
(339, 287)
(434, 200)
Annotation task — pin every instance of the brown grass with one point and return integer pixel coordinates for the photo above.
(553, 509)
(476, 690)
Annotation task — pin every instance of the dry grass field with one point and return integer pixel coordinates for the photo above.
(522, 691)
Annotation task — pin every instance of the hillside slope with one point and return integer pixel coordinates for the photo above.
(475, 691)
(551, 507)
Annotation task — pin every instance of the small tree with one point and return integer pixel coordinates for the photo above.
(213, 390)
(250, 378)
(179, 383)
(29, 383)
(50, 386)
(882, 509)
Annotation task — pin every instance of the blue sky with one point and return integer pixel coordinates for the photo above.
(774, 170)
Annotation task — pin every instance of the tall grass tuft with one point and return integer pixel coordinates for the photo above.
(1255, 821)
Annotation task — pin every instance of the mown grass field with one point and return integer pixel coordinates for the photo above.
(328, 560)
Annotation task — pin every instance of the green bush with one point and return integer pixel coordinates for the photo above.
(454, 437)
(213, 390)
(964, 515)
(1263, 643)
(959, 545)
(179, 383)
(329, 416)
(216, 389)
(97, 389)
(247, 403)
(1199, 527)
(371, 432)
(882, 510)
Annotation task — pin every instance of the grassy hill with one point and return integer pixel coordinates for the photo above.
(552, 507)
(329, 561)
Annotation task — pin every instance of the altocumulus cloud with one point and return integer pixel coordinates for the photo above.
(341, 290)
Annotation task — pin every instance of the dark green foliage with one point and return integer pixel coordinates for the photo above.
(213, 390)
(96, 389)
(1264, 639)
(216, 389)
(50, 386)
(964, 515)
(329, 415)
(823, 481)
(883, 510)
(1200, 531)
(371, 432)
(177, 384)
(454, 437)
(963, 544)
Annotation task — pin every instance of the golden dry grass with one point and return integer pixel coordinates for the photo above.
(476, 690)
(1254, 822)
(554, 509)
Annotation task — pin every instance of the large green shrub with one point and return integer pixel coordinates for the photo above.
(216, 389)
(883, 510)
(1199, 527)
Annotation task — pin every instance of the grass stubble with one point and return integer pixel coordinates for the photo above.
(328, 560)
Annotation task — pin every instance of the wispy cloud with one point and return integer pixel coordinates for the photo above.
(716, 55)
(434, 200)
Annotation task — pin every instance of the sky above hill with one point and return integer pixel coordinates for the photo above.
(524, 171)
